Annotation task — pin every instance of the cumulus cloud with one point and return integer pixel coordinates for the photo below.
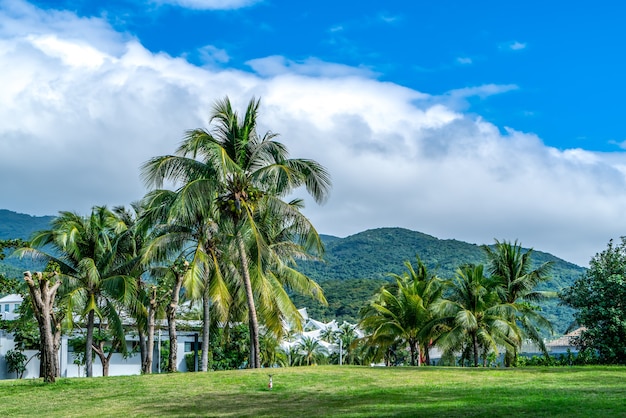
(80, 114)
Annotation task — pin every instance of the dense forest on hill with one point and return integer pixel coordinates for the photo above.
(355, 267)
(17, 225)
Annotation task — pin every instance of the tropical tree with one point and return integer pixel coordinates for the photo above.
(185, 227)
(473, 315)
(310, 351)
(404, 312)
(91, 269)
(517, 282)
(271, 353)
(244, 170)
(599, 297)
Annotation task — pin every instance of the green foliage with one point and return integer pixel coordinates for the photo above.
(582, 358)
(229, 348)
(600, 297)
(16, 362)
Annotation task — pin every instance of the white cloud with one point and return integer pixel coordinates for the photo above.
(75, 128)
(210, 4)
(275, 65)
(464, 60)
(210, 54)
(515, 45)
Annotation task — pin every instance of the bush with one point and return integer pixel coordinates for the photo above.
(16, 362)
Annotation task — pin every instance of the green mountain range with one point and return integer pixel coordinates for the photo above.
(355, 267)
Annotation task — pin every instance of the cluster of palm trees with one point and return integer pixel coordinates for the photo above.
(215, 227)
(477, 313)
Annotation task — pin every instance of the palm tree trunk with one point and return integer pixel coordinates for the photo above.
(143, 348)
(206, 323)
(147, 366)
(88, 344)
(255, 353)
(475, 344)
(171, 324)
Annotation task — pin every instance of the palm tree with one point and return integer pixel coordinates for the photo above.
(271, 353)
(310, 351)
(512, 267)
(403, 312)
(245, 171)
(183, 227)
(474, 316)
(92, 269)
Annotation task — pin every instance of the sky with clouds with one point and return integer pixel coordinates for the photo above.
(470, 121)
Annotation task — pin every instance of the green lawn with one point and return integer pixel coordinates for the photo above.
(330, 391)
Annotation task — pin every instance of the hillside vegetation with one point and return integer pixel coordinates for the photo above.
(355, 267)
(17, 225)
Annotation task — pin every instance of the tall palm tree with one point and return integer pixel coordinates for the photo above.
(184, 228)
(403, 311)
(474, 315)
(250, 170)
(92, 270)
(512, 267)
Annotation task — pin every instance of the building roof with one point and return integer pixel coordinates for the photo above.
(12, 298)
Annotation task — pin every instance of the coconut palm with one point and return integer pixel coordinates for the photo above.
(512, 267)
(184, 228)
(403, 311)
(310, 351)
(249, 170)
(474, 315)
(92, 270)
(271, 353)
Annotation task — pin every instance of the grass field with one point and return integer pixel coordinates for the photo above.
(330, 391)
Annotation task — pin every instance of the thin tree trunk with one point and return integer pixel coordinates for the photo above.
(171, 324)
(105, 359)
(143, 347)
(412, 351)
(89, 344)
(475, 344)
(206, 324)
(147, 366)
(255, 352)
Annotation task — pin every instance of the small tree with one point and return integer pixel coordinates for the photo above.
(16, 362)
(600, 297)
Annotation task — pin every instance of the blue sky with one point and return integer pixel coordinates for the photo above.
(466, 120)
(563, 61)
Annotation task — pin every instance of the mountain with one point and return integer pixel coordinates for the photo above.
(17, 225)
(355, 267)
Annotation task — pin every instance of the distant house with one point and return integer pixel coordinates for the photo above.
(564, 343)
(8, 306)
